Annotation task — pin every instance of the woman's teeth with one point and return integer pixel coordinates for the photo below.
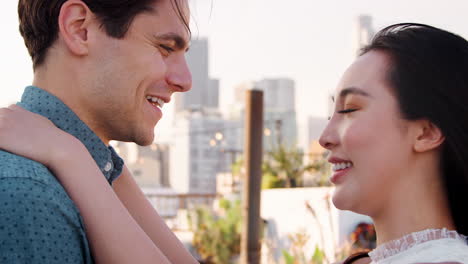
(341, 166)
(155, 101)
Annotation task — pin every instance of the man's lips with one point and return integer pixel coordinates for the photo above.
(155, 100)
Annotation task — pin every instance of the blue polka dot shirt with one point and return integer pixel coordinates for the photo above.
(39, 223)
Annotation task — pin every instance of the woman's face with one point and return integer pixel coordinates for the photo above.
(366, 136)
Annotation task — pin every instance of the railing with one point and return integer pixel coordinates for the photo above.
(169, 204)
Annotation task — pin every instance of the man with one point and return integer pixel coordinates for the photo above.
(103, 69)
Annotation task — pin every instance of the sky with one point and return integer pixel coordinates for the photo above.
(308, 41)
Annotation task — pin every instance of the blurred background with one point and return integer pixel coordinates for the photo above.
(295, 51)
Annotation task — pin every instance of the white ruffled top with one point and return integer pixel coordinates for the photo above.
(431, 245)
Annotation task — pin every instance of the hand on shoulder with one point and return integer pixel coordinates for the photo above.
(33, 136)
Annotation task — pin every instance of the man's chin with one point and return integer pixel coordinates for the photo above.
(140, 139)
(145, 140)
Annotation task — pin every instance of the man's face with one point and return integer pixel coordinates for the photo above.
(132, 77)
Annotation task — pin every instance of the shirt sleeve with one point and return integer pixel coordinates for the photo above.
(39, 224)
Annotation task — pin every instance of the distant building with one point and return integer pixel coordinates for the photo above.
(204, 145)
(279, 112)
(205, 91)
(364, 31)
(211, 99)
(149, 165)
(280, 124)
(279, 94)
(315, 127)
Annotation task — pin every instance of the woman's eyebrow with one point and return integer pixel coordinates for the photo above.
(351, 90)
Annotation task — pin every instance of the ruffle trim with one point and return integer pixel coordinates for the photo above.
(394, 247)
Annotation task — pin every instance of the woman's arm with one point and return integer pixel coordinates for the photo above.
(120, 240)
(146, 216)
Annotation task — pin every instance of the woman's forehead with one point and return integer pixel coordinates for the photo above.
(367, 73)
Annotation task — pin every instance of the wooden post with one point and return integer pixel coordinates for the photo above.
(253, 152)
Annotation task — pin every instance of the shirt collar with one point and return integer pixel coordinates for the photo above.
(41, 102)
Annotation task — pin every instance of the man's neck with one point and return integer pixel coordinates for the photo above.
(67, 88)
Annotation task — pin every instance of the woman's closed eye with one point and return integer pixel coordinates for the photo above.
(347, 110)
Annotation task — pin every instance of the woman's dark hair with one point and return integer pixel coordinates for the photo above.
(429, 75)
(38, 20)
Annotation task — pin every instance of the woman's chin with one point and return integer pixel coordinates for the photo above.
(343, 199)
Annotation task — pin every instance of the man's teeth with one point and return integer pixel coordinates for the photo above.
(155, 101)
(341, 166)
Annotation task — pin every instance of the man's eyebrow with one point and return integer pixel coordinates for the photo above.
(180, 42)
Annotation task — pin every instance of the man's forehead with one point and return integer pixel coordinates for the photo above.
(175, 15)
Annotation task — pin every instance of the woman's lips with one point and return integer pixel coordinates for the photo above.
(340, 168)
(337, 176)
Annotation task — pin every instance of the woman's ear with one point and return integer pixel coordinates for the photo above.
(73, 22)
(428, 136)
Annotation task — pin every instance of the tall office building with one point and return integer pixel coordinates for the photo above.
(203, 147)
(279, 112)
(279, 94)
(205, 91)
(315, 127)
(149, 165)
(211, 97)
(364, 31)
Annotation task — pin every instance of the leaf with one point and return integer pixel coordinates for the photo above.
(318, 256)
(289, 259)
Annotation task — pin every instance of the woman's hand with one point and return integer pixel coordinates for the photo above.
(33, 136)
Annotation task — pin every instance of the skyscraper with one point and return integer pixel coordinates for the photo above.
(204, 93)
(364, 31)
(279, 94)
(203, 148)
(279, 111)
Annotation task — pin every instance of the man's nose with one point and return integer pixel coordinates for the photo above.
(180, 77)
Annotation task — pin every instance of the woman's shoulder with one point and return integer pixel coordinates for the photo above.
(440, 250)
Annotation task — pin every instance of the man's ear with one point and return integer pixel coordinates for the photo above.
(73, 21)
(428, 136)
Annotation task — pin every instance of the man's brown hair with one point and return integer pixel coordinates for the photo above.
(38, 20)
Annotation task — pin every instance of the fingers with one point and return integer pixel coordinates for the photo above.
(5, 110)
(10, 114)
(15, 107)
(5, 115)
(10, 109)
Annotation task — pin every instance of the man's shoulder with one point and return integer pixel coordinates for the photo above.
(14, 166)
(39, 223)
(19, 174)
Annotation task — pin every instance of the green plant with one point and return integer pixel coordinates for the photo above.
(270, 181)
(216, 238)
(286, 164)
(321, 169)
(297, 254)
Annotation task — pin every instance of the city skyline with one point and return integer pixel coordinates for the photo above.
(309, 42)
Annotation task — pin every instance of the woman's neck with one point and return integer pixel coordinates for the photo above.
(419, 203)
(397, 227)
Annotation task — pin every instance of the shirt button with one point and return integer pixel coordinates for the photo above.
(108, 167)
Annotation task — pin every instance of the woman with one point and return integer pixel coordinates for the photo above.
(398, 142)
(398, 154)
